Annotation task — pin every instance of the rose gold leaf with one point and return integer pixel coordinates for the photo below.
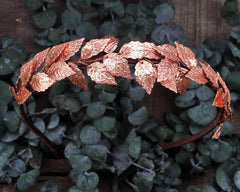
(59, 71)
(226, 100)
(210, 74)
(182, 83)
(138, 50)
(98, 73)
(145, 75)
(218, 98)
(169, 51)
(96, 46)
(54, 54)
(117, 65)
(71, 49)
(186, 55)
(217, 134)
(170, 84)
(78, 78)
(196, 74)
(112, 44)
(21, 95)
(41, 82)
(167, 69)
(31, 66)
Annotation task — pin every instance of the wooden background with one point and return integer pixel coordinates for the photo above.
(200, 20)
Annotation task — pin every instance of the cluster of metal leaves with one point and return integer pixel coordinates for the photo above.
(173, 67)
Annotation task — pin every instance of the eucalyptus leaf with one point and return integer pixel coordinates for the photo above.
(105, 123)
(115, 6)
(27, 180)
(164, 13)
(209, 188)
(107, 28)
(160, 34)
(85, 97)
(192, 189)
(126, 105)
(16, 168)
(135, 147)
(71, 19)
(96, 109)
(86, 30)
(12, 121)
(80, 4)
(95, 151)
(33, 5)
(202, 114)
(49, 186)
(56, 134)
(220, 151)
(237, 179)
(233, 80)
(71, 148)
(204, 93)
(87, 181)
(90, 135)
(80, 162)
(223, 180)
(45, 19)
(138, 117)
(53, 121)
(106, 97)
(136, 93)
(5, 94)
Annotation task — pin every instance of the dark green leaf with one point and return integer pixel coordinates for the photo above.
(45, 19)
(160, 34)
(53, 121)
(71, 148)
(144, 181)
(72, 104)
(85, 97)
(105, 123)
(81, 4)
(16, 168)
(87, 30)
(96, 109)
(115, 6)
(220, 151)
(87, 181)
(95, 151)
(172, 169)
(24, 182)
(90, 135)
(225, 73)
(235, 51)
(33, 5)
(71, 19)
(89, 15)
(49, 186)
(233, 80)
(228, 9)
(136, 93)
(126, 105)
(135, 147)
(209, 188)
(27, 180)
(202, 114)
(204, 93)
(56, 134)
(223, 180)
(80, 162)
(106, 97)
(192, 189)
(9, 136)
(74, 189)
(107, 28)
(237, 179)
(164, 13)
(12, 121)
(5, 94)
(138, 117)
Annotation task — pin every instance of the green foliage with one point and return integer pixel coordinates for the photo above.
(104, 130)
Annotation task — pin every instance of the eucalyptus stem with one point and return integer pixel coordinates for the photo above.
(196, 136)
(35, 130)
